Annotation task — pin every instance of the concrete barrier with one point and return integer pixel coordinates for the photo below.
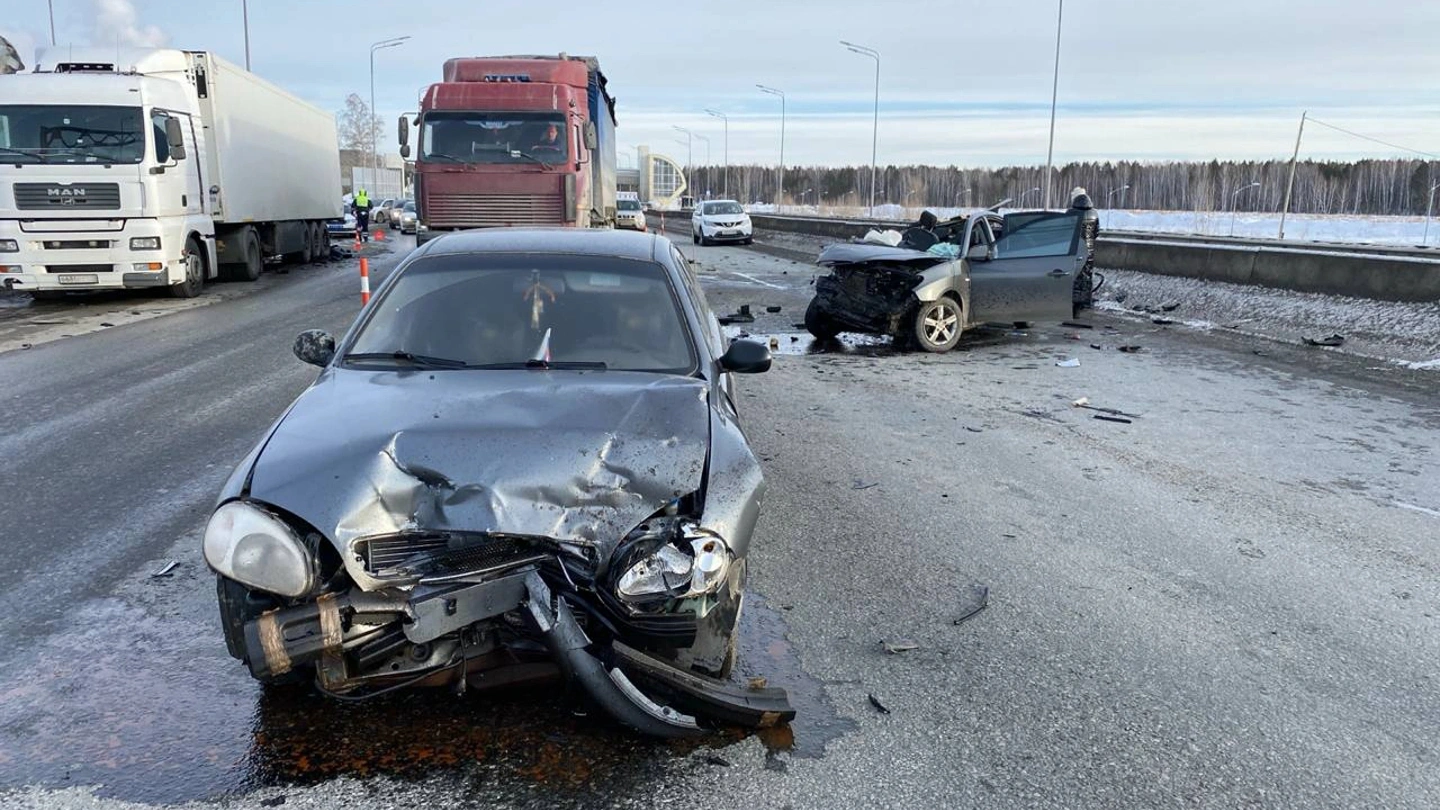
(1387, 275)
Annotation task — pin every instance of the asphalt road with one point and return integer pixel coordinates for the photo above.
(1230, 601)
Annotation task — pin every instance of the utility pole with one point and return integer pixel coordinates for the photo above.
(1290, 185)
(780, 190)
(245, 15)
(875, 130)
(1054, 96)
(52, 24)
(723, 117)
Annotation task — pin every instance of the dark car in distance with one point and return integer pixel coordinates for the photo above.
(549, 479)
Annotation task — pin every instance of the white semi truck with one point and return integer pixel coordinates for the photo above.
(132, 168)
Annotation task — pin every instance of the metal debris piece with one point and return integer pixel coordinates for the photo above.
(772, 309)
(757, 682)
(106, 324)
(879, 707)
(973, 430)
(167, 570)
(1081, 402)
(1132, 349)
(1072, 362)
(1077, 325)
(1096, 346)
(975, 599)
(861, 485)
(1330, 340)
(1107, 418)
(1171, 306)
(716, 759)
(1161, 321)
(899, 646)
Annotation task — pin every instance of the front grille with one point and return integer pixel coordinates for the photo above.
(76, 244)
(67, 196)
(493, 210)
(441, 556)
(80, 268)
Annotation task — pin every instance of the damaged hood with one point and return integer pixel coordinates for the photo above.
(576, 457)
(860, 253)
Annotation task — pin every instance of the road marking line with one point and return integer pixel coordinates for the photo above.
(749, 277)
(1413, 507)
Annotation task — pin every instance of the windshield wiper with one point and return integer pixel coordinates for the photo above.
(26, 152)
(544, 365)
(411, 358)
(519, 153)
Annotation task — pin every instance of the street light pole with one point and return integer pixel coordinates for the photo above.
(370, 123)
(52, 27)
(1429, 208)
(780, 190)
(1235, 194)
(708, 162)
(244, 12)
(1054, 96)
(875, 130)
(723, 117)
(689, 155)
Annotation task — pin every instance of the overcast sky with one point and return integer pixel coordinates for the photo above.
(962, 82)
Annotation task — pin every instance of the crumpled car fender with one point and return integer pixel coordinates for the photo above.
(943, 278)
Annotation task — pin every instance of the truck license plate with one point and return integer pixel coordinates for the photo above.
(80, 278)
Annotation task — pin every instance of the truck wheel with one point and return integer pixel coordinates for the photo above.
(938, 325)
(249, 270)
(818, 323)
(194, 272)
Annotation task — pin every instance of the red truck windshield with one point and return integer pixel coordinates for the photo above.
(493, 137)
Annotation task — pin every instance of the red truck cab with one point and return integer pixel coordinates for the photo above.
(516, 140)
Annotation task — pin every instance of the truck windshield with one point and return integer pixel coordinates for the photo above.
(54, 133)
(480, 137)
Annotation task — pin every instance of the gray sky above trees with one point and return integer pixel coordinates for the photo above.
(962, 81)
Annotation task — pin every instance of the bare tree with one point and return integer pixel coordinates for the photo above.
(359, 128)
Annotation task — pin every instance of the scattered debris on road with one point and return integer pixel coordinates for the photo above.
(1330, 340)
(1161, 321)
(742, 316)
(862, 485)
(1129, 349)
(1072, 362)
(272, 802)
(1077, 325)
(879, 707)
(716, 759)
(1096, 346)
(167, 570)
(772, 309)
(1084, 402)
(1170, 307)
(974, 599)
(899, 646)
(1107, 418)
(758, 682)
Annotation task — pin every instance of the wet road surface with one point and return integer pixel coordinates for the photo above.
(1230, 601)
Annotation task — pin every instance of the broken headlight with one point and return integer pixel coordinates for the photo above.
(258, 549)
(666, 558)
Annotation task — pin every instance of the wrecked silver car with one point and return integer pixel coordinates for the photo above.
(523, 461)
(985, 268)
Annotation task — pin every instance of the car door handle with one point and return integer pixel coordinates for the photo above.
(1057, 273)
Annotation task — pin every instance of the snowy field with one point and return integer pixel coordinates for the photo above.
(1343, 229)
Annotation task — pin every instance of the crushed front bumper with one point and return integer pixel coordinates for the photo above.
(672, 703)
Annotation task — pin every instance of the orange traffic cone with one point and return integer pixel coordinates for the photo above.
(379, 234)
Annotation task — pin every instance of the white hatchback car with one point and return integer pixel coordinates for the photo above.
(721, 221)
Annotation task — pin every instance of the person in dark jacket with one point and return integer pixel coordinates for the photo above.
(1083, 295)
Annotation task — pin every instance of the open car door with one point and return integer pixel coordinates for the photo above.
(1029, 272)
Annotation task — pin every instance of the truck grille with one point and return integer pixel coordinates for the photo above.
(494, 210)
(438, 556)
(80, 268)
(71, 196)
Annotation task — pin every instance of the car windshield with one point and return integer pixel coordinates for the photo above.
(68, 133)
(409, 205)
(477, 137)
(628, 205)
(513, 310)
(714, 208)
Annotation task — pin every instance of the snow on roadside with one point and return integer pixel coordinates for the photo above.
(1407, 334)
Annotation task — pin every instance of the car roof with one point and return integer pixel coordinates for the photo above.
(620, 244)
(712, 202)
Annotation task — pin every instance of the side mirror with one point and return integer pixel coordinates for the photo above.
(592, 137)
(315, 346)
(746, 357)
(404, 132)
(175, 138)
(979, 253)
(404, 150)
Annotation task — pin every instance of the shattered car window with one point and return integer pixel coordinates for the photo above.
(510, 309)
(1045, 236)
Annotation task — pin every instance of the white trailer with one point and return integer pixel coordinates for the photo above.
(164, 168)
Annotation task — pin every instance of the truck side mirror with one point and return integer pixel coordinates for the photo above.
(592, 138)
(404, 133)
(404, 150)
(175, 138)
